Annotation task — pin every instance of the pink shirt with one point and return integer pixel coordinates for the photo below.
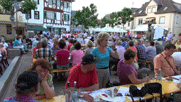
(76, 56)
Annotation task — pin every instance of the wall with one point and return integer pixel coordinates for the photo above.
(40, 7)
(176, 25)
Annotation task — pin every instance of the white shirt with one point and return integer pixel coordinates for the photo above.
(5, 45)
(177, 58)
(121, 51)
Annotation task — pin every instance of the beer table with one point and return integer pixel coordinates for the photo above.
(167, 89)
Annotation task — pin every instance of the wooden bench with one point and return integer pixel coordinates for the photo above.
(60, 71)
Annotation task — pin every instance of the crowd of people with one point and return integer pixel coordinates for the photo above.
(91, 66)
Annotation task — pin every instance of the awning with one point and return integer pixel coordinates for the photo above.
(149, 19)
(143, 27)
(37, 28)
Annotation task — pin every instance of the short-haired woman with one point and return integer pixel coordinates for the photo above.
(76, 55)
(103, 52)
(126, 73)
(89, 46)
(62, 55)
(46, 88)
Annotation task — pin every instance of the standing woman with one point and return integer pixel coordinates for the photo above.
(103, 52)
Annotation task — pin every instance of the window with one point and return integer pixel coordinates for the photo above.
(149, 10)
(67, 5)
(177, 20)
(140, 21)
(54, 1)
(9, 29)
(162, 20)
(154, 9)
(140, 11)
(56, 30)
(37, 1)
(36, 15)
(165, 8)
(58, 3)
(50, 2)
(28, 15)
(50, 15)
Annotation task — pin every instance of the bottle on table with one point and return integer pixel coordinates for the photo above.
(159, 77)
(75, 94)
(68, 93)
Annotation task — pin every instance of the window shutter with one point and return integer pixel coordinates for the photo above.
(63, 4)
(45, 14)
(68, 17)
(60, 3)
(65, 29)
(59, 31)
(67, 5)
(55, 15)
(64, 17)
(56, 2)
(52, 2)
(53, 29)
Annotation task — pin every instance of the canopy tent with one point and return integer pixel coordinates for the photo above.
(143, 27)
(120, 30)
(107, 30)
(38, 28)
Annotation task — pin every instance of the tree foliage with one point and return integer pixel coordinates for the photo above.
(26, 5)
(87, 16)
(118, 18)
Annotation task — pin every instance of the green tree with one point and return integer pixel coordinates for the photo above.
(87, 16)
(124, 16)
(26, 6)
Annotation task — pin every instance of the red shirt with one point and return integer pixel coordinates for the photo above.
(69, 46)
(62, 57)
(128, 34)
(134, 48)
(83, 79)
(34, 50)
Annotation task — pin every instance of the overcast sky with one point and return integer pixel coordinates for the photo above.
(107, 6)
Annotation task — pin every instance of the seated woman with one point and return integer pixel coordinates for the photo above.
(62, 55)
(126, 73)
(89, 48)
(76, 55)
(46, 88)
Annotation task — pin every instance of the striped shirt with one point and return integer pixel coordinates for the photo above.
(44, 53)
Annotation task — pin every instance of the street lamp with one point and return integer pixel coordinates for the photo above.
(16, 6)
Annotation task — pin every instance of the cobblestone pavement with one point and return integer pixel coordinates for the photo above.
(23, 65)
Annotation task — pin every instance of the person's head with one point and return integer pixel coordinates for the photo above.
(62, 44)
(119, 43)
(44, 43)
(39, 44)
(152, 43)
(179, 35)
(2, 41)
(137, 42)
(102, 39)
(41, 66)
(74, 41)
(17, 38)
(129, 54)
(37, 39)
(70, 40)
(1, 45)
(27, 83)
(55, 44)
(90, 44)
(131, 43)
(156, 43)
(89, 62)
(169, 49)
(77, 46)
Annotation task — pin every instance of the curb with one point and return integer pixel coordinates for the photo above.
(7, 75)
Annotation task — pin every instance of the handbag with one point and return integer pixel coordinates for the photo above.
(149, 88)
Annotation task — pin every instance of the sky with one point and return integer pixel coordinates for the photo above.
(108, 6)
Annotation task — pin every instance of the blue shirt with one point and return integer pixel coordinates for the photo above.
(104, 57)
(151, 52)
(141, 52)
(16, 43)
(34, 43)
